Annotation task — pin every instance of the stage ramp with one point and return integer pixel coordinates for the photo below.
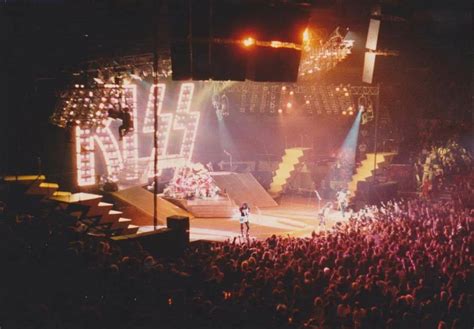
(138, 202)
(243, 187)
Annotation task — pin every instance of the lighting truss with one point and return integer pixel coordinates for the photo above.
(366, 97)
(89, 107)
(272, 98)
(318, 57)
(140, 65)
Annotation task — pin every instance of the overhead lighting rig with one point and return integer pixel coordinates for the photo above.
(319, 57)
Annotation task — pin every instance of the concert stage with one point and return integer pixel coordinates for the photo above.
(295, 216)
(217, 218)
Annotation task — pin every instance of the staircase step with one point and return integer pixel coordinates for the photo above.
(24, 179)
(131, 229)
(87, 199)
(111, 217)
(365, 170)
(289, 161)
(62, 193)
(100, 210)
(43, 189)
(49, 185)
(122, 223)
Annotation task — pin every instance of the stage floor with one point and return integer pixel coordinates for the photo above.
(294, 216)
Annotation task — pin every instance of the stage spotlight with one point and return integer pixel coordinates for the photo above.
(247, 42)
(283, 88)
(288, 105)
(307, 102)
(344, 112)
(306, 35)
(292, 93)
(276, 44)
(351, 112)
(280, 111)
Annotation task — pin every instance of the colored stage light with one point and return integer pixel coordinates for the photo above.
(276, 44)
(306, 35)
(249, 41)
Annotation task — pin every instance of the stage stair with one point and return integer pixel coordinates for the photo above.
(87, 208)
(365, 171)
(290, 160)
(96, 214)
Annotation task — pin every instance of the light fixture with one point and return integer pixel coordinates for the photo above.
(249, 41)
(323, 56)
(306, 35)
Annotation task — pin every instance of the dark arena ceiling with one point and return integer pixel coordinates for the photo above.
(46, 42)
(64, 34)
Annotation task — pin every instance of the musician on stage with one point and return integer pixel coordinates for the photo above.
(342, 198)
(244, 219)
(323, 212)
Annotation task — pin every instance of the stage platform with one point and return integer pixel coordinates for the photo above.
(295, 216)
(219, 207)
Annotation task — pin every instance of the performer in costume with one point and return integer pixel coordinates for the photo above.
(323, 212)
(244, 219)
(342, 201)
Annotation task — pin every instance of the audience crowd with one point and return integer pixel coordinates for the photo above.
(440, 162)
(408, 265)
